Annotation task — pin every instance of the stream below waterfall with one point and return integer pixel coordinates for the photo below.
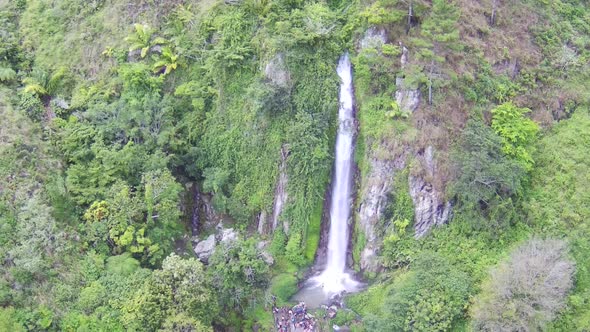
(335, 279)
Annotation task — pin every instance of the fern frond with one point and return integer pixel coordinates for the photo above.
(35, 88)
(158, 66)
(159, 41)
(7, 74)
(144, 51)
(55, 80)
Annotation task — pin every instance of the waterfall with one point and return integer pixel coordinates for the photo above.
(334, 278)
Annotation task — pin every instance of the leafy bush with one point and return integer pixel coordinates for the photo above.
(431, 296)
(122, 264)
(516, 131)
(238, 273)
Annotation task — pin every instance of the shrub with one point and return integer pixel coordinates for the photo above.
(517, 132)
(430, 297)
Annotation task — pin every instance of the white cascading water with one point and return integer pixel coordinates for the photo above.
(334, 279)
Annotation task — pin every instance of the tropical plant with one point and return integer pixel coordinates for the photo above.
(7, 74)
(44, 84)
(517, 132)
(167, 63)
(143, 39)
(486, 178)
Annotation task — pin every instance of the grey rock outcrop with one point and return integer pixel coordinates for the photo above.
(277, 72)
(228, 235)
(374, 194)
(430, 207)
(262, 223)
(264, 254)
(407, 99)
(373, 38)
(61, 103)
(267, 257)
(281, 193)
(212, 218)
(205, 248)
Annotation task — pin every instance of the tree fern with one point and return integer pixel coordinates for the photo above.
(55, 81)
(140, 39)
(41, 83)
(7, 74)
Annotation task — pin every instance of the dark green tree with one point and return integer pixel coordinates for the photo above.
(487, 179)
(238, 273)
(179, 290)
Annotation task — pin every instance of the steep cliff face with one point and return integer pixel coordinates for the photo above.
(267, 225)
(385, 159)
(406, 98)
(429, 205)
(374, 191)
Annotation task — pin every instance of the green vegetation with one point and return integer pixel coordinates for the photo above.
(112, 113)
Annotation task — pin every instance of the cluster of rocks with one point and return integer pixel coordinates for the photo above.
(205, 248)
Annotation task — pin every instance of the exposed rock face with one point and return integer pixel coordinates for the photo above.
(377, 184)
(407, 99)
(281, 192)
(262, 223)
(430, 208)
(205, 248)
(374, 192)
(374, 37)
(267, 257)
(211, 217)
(277, 72)
(228, 235)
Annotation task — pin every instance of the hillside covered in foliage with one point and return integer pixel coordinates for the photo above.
(165, 165)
